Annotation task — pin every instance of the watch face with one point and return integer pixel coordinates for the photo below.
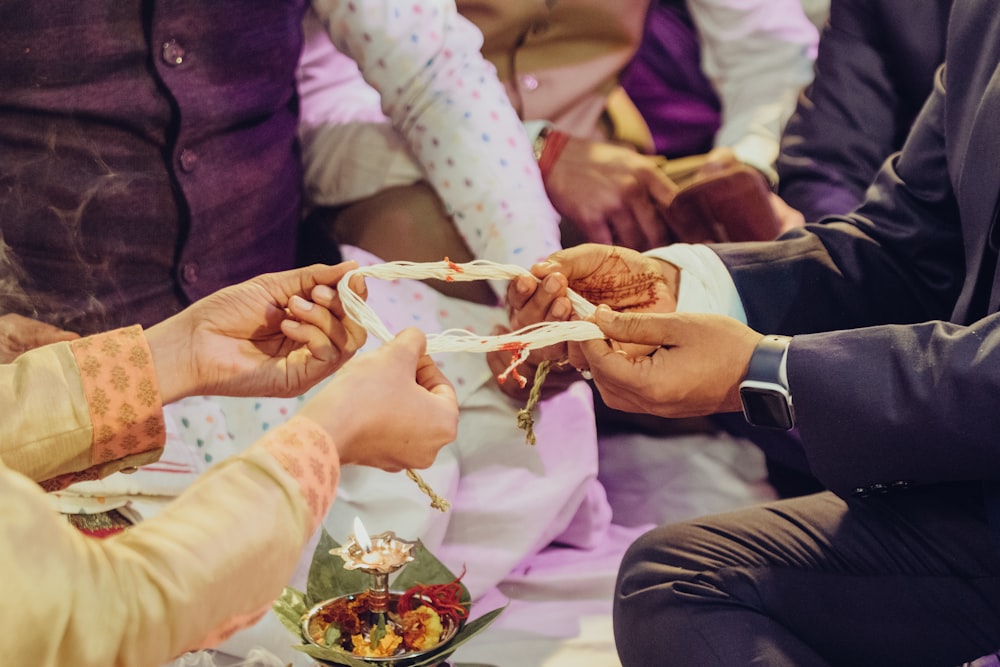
(766, 407)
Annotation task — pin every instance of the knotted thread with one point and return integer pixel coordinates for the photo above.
(520, 342)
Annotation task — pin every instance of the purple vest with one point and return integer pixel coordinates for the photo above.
(148, 153)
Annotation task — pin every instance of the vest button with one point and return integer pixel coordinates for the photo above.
(190, 272)
(173, 53)
(529, 82)
(188, 160)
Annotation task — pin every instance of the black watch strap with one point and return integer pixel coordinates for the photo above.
(765, 364)
(764, 391)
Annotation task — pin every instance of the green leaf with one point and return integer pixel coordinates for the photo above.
(327, 576)
(331, 657)
(332, 635)
(328, 579)
(290, 608)
(378, 632)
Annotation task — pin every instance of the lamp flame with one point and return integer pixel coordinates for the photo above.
(361, 535)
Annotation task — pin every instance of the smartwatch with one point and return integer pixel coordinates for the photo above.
(764, 391)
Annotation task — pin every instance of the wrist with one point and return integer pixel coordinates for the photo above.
(170, 353)
(336, 414)
(764, 392)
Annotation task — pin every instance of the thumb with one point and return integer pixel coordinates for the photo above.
(575, 263)
(643, 328)
(411, 341)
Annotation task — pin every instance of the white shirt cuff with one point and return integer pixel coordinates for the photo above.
(705, 283)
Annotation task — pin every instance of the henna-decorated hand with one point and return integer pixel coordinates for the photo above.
(622, 279)
(530, 301)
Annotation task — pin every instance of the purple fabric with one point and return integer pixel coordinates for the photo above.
(667, 84)
(148, 153)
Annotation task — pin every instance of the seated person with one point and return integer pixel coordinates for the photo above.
(155, 180)
(215, 558)
(884, 351)
(566, 63)
(874, 70)
(444, 190)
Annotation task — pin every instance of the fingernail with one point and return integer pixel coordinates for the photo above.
(604, 314)
(560, 309)
(551, 285)
(523, 286)
(293, 324)
(323, 293)
(301, 303)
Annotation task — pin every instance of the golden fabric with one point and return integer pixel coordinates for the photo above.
(210, 562)
(561, 61)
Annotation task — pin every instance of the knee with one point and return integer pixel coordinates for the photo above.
(661, 573)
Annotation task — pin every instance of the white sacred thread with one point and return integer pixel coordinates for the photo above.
(519, 342)
(530, 337)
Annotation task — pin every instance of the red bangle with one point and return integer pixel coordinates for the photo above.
(555, 141)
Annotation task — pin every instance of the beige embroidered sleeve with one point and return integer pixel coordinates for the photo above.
(81, 410)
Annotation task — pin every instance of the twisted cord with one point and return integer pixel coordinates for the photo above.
(533, 336)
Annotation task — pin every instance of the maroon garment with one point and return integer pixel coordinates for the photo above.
(666, 82)
(148, 154)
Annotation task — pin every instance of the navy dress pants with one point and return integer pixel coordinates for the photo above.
(907, 578)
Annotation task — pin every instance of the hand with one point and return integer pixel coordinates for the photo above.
(530, 301)
(391, 408)
(19, 334)
(717, 160)
(261, 337)
(623, 279)
(696, 371)
(611, 193)
(789, 217)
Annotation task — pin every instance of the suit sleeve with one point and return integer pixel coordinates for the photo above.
(886, 391)
(846, 123)
(874, 71)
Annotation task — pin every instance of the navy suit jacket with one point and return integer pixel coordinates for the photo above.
(874, 69)
(895, 364)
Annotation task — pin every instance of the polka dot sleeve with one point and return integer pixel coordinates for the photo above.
(445, 99)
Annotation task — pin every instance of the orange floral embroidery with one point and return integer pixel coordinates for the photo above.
(138, 356)
(119, 378)
(91, 367)
(125, 422)
(99, 402)
(127, 415)
(111, 348)
(146, 393)
(154, 428)
(306, 452)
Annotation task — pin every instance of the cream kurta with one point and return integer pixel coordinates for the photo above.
(561, 61)
(211, 561)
